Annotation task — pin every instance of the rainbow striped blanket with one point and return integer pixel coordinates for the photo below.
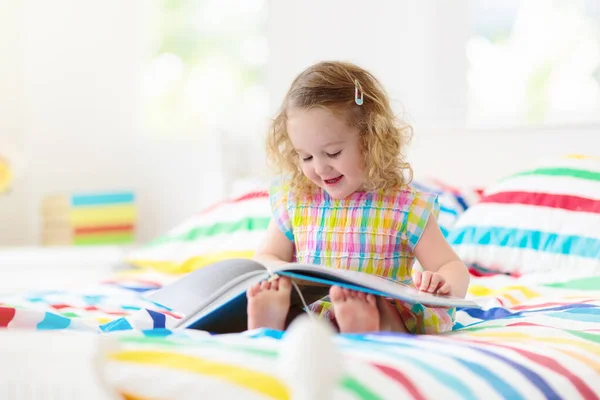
(536, 337)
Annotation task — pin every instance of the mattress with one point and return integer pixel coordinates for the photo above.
(535, 337)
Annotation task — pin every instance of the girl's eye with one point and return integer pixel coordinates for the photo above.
(305, 159)
(335, 155)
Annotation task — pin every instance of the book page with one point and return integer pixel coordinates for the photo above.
(369, 283)
(195, 290)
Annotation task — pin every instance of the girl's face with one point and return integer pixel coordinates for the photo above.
(329, 151)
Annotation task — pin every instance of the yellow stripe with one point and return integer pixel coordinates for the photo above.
(480, 291)
(582, 157)
(510, 298)
(129, 396)
(590, 363)
(191, 264)
(98, 215)
(262, 383)
(530, 294)
(519, 336)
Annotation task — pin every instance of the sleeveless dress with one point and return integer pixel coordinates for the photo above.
(372, 232)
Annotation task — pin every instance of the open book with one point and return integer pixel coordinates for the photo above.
(213, 298)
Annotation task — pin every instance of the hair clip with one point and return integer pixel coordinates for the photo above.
(357, 87)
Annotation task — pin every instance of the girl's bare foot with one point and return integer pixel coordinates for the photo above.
(355, 312)
(269, 303)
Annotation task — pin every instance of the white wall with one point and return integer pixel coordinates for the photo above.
(76, 66)
(414, 48)
(12, 206)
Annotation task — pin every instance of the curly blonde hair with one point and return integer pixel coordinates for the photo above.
(331, 85)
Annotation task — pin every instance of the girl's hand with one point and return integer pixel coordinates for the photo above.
(431, 282)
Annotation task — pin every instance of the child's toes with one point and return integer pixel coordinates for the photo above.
(371, 299)
(253, 290)
(265, 285)
(337, 294)
(362, 296)
(285, 284)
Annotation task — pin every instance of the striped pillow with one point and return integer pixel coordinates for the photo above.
(232, 228)
(541, 220)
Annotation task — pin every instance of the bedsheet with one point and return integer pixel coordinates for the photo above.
(535, 337)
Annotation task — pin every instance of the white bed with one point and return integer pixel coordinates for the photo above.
(35, 268)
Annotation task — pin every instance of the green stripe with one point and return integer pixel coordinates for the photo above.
(590, 283)
(189, 342)
(471, 328)
(592, 337)
(574, 173)
(246, 224)
(358, 389)
(349, 383)
(115, 238)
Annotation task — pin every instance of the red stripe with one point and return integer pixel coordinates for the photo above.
(248, 196)
(6, 315)
(565, 202)
(549, 363)
(400, 378)
(60, 306)
(481, 273)
(117, 313)
(169, 313)
(550, 304)
(108, 228)
(529, 324)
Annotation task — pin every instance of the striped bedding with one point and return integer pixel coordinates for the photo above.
(537, 220)
(535, 337)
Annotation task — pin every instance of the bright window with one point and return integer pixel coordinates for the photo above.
(534, 62)
(206, 70)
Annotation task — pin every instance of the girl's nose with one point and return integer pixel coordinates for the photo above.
(322, 168)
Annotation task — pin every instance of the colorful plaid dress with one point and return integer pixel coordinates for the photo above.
(373, 232)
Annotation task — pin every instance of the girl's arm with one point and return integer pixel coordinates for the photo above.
(437, 256)
(275, 246)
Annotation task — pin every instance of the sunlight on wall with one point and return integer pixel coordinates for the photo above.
(5, 175)
(534, 62)
(205, 72)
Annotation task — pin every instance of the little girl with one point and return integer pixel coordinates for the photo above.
(342, 201)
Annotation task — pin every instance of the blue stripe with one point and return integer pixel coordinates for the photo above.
(461, 201)
(162, 332)
(447, 210)
(444, 377)
(319, 238)
(530, 374)
(120, 324)
(449, 380)
(583, 315)
(503, 387)
(159, 320)
(526, 239)
(444, 231)
(101, 199)
(53, 321)
(364, 218)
